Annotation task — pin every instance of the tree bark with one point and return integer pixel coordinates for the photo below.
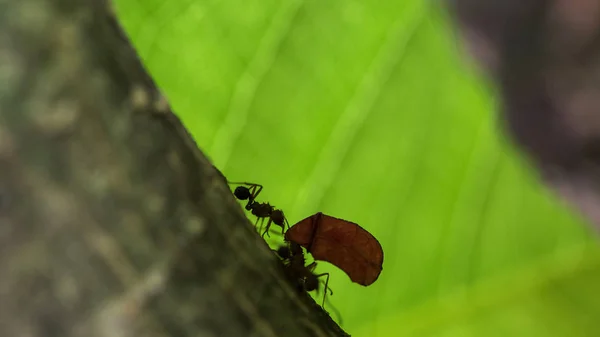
(112, 222)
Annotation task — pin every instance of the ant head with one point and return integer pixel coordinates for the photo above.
(311, 282)
(242, 192)
(284, 252)
(299, 285)
(295, 249)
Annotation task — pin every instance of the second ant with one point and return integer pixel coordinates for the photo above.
(303, 276)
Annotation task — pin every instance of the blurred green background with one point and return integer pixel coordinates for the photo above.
(369, 111)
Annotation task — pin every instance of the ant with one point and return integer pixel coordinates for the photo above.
(303, 276)
(260, 210)
(245, 193)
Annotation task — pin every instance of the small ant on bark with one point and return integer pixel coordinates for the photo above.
(303, 276)
(247, 193)
(261, 210)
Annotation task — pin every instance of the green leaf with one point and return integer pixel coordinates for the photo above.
(365, 110)
(553, 297)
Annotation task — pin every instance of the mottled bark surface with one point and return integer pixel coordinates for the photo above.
(543, 57)
(112, 222)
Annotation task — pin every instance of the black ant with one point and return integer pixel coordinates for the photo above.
(247, 193)
(260, 210)
(303, 276)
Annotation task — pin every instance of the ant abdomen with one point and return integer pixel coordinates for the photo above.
(278, 217)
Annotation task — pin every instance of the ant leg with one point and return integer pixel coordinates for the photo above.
(326, 287)
(267, 228)
(337, 313)
(272, 230)
(256, 223)
(262, 223)
(286, 224)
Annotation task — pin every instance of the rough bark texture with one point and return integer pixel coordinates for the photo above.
(543, 56)
(112, 222)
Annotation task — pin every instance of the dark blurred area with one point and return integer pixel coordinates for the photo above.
(543, 57)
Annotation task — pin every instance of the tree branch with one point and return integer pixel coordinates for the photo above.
(112, 222)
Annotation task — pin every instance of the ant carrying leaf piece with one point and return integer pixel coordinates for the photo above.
(342, 243)
(249, 191)
(303, 276)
